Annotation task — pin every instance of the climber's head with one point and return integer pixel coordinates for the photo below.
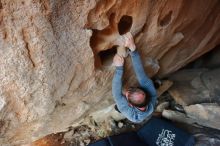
(137, 97)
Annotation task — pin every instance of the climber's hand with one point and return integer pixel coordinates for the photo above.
(129, 41)
(118, 60)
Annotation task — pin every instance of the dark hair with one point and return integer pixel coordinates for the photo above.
(133, 90)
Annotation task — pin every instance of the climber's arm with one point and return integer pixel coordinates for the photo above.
(117, 84)
(118, 62)
(120, 100)
(142, 77)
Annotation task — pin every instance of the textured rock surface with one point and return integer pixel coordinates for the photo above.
(52, 73)
(205, 114)
(196, 86)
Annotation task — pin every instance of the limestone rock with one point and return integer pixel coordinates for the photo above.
(52, 54)
(107, 113)
(205, 114)
(196, 86)
(162, 106)
(177, 116)
(165, 85)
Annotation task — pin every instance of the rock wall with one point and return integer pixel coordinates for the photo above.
(56, 54)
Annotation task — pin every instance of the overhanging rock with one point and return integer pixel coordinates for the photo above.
(51, 68)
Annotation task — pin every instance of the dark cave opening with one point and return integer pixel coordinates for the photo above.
(166, 19)
(1, 5)
(99, 38)
(106, 56)
(208, 60)
(125, 24)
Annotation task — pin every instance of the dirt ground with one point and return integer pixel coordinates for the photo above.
(83, 135)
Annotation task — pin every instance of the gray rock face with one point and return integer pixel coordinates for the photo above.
(205, 114)
(196, 86)
(49, 49)
(162, 106)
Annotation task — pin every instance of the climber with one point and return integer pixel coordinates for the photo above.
(137, 103)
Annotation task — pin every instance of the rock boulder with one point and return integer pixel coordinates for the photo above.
(55, 63)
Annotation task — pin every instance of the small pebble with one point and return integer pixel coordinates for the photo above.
(120, 124)
(87, 141)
